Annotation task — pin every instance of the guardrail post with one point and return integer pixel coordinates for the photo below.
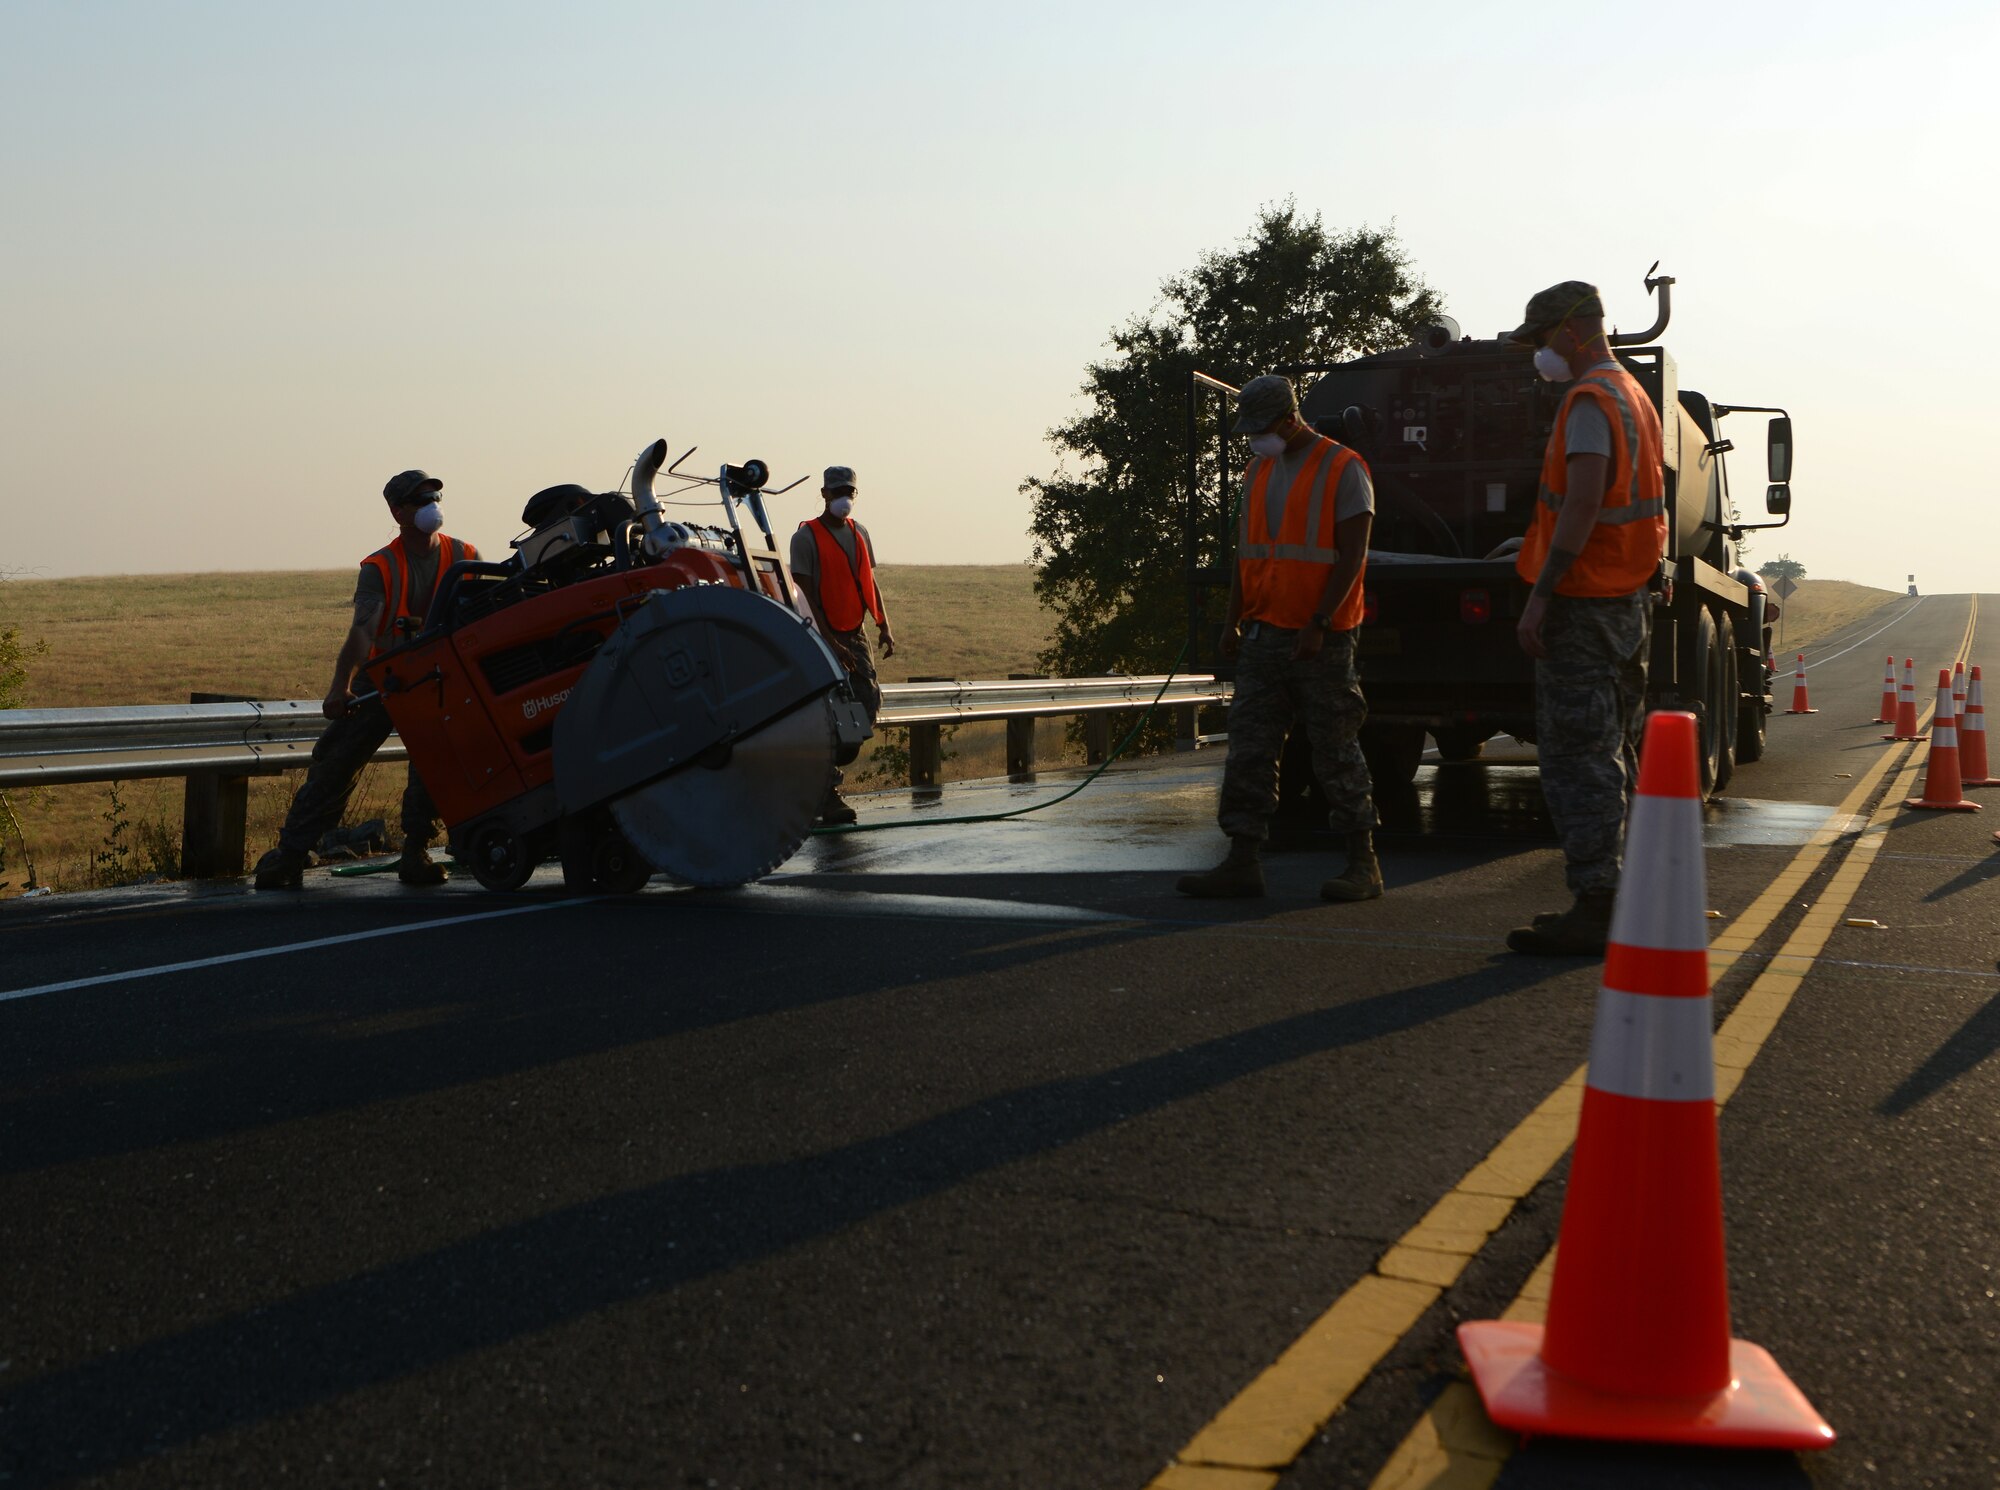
(1096, 737)
(927, 750)
(1021, 736)
(1187, 728)
(214, 806)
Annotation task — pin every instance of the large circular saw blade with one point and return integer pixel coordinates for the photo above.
(738, 818)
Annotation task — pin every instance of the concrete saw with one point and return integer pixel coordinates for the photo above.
(709, 724)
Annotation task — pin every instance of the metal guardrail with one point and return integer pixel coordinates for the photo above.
(52, 747)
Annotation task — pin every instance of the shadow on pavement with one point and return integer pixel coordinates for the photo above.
(1978, 874)
(1976, 1039)
(1569, 1464)
(518, 1279)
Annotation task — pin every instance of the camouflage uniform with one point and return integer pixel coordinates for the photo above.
(852, 651)
(1590, 700)
(338, 759)
(1323, 695)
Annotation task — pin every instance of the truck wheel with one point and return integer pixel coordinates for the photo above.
(1724, 705)
(1750, 729)
(1393, 751)
(1704, 675)
(1461, 742)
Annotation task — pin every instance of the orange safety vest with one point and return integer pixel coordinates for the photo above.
(393, 564)
(1624, 549)
(846, 585)
(1283, 575)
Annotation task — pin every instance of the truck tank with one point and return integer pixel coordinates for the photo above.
(1454, 439)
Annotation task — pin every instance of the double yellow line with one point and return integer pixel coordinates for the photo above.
(1266, 1426)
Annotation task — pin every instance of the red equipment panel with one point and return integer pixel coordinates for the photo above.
(477, 706)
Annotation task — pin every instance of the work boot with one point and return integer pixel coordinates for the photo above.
(1237, 876)
(1580, 931)
(416, 867)
(279, 870)
(1362, 880)
(838, 810)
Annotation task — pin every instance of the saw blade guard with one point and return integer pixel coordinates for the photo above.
(689, 673)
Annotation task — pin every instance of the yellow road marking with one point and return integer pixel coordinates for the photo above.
(1454, 1445)
(1265, 1426)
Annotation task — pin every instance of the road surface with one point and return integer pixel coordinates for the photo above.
(975, 1156)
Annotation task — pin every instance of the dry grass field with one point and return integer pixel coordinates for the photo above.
(1820, 608)
(155, 638)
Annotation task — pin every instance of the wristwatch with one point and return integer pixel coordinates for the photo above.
(1323, 621)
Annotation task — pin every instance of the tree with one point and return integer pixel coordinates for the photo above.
(1108, 528)
(1782, 567)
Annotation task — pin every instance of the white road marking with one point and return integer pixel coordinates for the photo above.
(1823, 661)
(161, 969)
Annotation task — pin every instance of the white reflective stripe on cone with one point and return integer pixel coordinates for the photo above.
(1944, 736)
(1647, 1045)
(1672, 914)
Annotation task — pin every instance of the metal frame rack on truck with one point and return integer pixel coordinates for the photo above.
(1453, 430)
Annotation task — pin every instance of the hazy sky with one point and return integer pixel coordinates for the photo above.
(256, 258)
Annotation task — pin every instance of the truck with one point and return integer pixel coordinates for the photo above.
(1453, 429)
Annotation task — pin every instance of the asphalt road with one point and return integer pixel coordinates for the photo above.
(964, 1156)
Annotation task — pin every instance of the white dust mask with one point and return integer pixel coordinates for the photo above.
(428, 519)
(1267, 445)
(1552, 366)
(840, 506)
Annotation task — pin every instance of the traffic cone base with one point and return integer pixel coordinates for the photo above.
(1961, 805)
(1760, 1408)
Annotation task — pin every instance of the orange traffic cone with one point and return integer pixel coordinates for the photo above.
(1943, 790)
(1906, 705)
(1799, 690)
(1972, 737)
(1958, 690)
(1637, 1345)
(1887, 708)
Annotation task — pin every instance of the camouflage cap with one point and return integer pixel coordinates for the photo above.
(837, 477)
(400, 487)
(1262, 402)
(1556, 304)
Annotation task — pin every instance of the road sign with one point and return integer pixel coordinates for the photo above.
(1786, 586)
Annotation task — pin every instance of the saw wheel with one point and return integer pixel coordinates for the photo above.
(741, 808)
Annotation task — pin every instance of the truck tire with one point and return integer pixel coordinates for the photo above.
(1750, 729)
(1704, 694)
(1724, 705)
(1394, 751)
(1460, 742)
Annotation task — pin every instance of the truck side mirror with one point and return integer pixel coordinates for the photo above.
(1778, 501)
(1780, 452)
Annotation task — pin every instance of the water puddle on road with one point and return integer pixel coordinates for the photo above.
(1742, 822)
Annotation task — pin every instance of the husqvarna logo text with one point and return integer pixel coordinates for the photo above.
(536, 706)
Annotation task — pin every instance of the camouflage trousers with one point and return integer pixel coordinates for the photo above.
(1322, 695)
(338, 759)
(852, 651)
(1590, 702)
